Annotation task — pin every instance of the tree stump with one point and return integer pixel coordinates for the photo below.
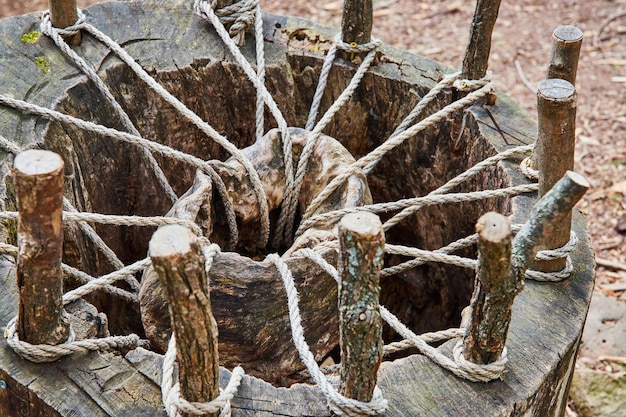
(185, 55)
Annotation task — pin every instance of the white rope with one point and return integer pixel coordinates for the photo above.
(527, 169)
(206, 167)
(55, 35)
(51, 353)
(206, 128)
(552, 254)
(459, 366)
(369, 161)
(336, 402)
(286, 221)
(425, 201)
(240, 15)
(175, 404)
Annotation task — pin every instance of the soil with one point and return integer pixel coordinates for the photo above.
(521, 42)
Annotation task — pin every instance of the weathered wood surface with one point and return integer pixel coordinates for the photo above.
(187, 54)
(39, 188)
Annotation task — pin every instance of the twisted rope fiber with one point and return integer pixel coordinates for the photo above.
(175, 404)
(51, 353)
(56, 35)
(206, 128)
(84, 226)
(292, 193)
(424, 201)
(459, 179)
(167, 151)
(369, 161)
(203, 9)
(240, 15)
(336, 402)
(527, 169)
(459, 366)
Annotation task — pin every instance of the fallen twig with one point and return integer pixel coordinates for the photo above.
(605, 263)
(522, 76)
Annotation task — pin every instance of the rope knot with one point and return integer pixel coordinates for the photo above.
(527, 169)
(239, 15)
(49, 30)
(479, 372)
(175, 404)
(552, 254)
(353, 47)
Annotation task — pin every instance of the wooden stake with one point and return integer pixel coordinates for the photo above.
(178, 260)
(64, 13)
(361, 240)
(494, 291)
(39, 189)
(476, 58)
(554, 152)
(566, 44)
(356, 23)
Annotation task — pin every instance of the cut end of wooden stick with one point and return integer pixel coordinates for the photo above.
(493, 227)
(568, 33)
(578, 179)
(171, 239)
(38, 162)
(556, 89)
(362, 223)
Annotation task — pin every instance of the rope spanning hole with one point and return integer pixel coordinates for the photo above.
(241, 16)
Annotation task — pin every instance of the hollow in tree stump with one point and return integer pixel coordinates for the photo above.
(184, 54)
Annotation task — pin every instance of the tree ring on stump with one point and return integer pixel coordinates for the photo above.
(185, 55)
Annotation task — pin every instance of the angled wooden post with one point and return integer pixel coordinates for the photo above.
(39, 189)
(554, 152)
(361, 257)
(494, 292)
(476, 58)
(177, 258)
(566, 44)
(64, 13)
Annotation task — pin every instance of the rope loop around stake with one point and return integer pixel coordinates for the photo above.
(48, 29)
(175, 404)
(355, 48)
(239, 15)
(527, 170)
(51, 353)
(552, 254)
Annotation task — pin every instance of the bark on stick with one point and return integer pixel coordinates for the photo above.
(566, 44)
(476, 58)
(494, 292)
(39, 189)
(546, 216)
(361, 253)
(356, 23)
(554, 152)
(178, 260)
(64, 13)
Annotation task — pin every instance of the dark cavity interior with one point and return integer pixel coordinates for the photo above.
(109, 176)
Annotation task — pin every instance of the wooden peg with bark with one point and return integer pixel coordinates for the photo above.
(566, 44)
(356, 23)
(554, 152)
(177, 258)
(361, 257)
(476, 58)
(494, 292)
(39, 189)
(64, 13)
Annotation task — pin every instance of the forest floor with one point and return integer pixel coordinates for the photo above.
(520, 51)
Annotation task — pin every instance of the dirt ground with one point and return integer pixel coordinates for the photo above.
(520, 50)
